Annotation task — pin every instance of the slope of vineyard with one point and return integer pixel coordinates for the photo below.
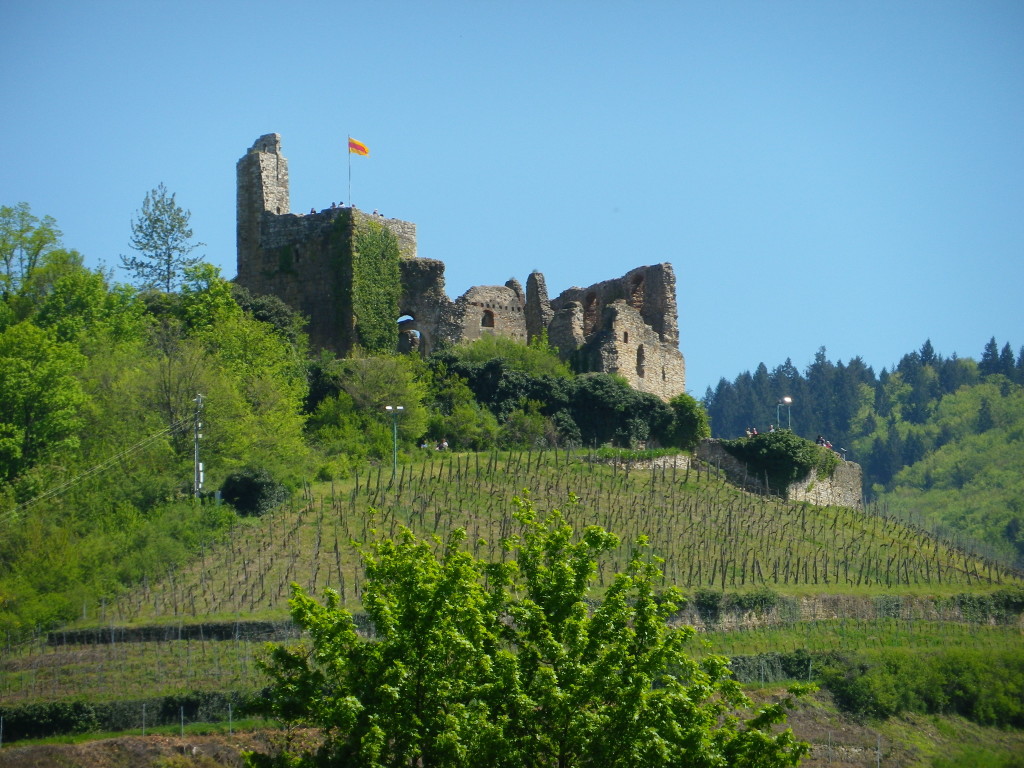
(829, 563)
(781, 587)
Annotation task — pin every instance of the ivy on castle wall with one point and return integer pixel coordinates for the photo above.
(376, 286)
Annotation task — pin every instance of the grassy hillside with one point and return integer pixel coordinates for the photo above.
(710, 534)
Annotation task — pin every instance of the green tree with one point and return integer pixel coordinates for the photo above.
(989, 363)
(40, 398)
(81, 306)
(162, 235)
(25, 240)
(506, 664)
(689, 422)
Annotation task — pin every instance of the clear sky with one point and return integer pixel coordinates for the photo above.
(839, 174)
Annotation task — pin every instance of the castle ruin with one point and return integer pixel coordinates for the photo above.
(627, 326)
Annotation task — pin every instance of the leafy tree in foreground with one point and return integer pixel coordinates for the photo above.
(161, 233)
(505, 664)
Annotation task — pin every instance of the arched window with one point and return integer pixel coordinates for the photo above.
(487, 320)
(409, 337)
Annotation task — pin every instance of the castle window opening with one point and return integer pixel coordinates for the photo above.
(625, 337)
(409, 337)
(640, 361)
(487, 321)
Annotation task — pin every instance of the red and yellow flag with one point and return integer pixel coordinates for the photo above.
(357, 147)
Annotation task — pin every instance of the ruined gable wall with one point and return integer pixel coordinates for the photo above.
(627, 326)
(538, 310)
(424, 300)
(650, 290)
(626, 345)
(261, 187)
(491, 309)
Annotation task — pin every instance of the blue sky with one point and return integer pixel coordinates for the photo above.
(838, 174)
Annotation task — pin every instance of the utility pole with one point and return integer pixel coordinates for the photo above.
(394, 410)
(197, 476)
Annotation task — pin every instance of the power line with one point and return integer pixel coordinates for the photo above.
(57, 490)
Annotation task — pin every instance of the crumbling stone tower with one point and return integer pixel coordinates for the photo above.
(338, 266)
(358, 279)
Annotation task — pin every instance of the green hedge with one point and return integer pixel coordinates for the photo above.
(56, 718)
(984, 686)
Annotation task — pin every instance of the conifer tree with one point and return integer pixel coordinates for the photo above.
(162, 235)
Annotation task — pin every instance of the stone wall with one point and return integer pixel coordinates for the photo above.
(629, 347)
(626, 326)
(843, 488)
(491, 309)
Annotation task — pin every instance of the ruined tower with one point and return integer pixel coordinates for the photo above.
(358, 279)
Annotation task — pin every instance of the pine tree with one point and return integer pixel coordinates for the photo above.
(161, 233)
(989, 358)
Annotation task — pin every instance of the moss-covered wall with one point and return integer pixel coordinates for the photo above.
(374, 286)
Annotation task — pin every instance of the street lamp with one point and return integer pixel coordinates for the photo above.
(788, 402)
(393, 410)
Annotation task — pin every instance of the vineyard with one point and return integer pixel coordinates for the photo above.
(765, 576)
(708, 533)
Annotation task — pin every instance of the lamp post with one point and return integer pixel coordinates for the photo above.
(788, 402)
(393, 410)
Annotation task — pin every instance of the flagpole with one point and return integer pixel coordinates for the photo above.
(348, 151)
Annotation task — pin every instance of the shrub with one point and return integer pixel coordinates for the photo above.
(690, 422)
(708, 603)
(783, 456)
(253, 491)
(760, 601)
(985, 687)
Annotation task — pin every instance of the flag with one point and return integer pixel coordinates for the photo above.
(357, 147)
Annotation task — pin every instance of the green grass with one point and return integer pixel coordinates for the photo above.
(859, 635)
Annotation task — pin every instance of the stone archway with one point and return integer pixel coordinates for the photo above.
(410, 337)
